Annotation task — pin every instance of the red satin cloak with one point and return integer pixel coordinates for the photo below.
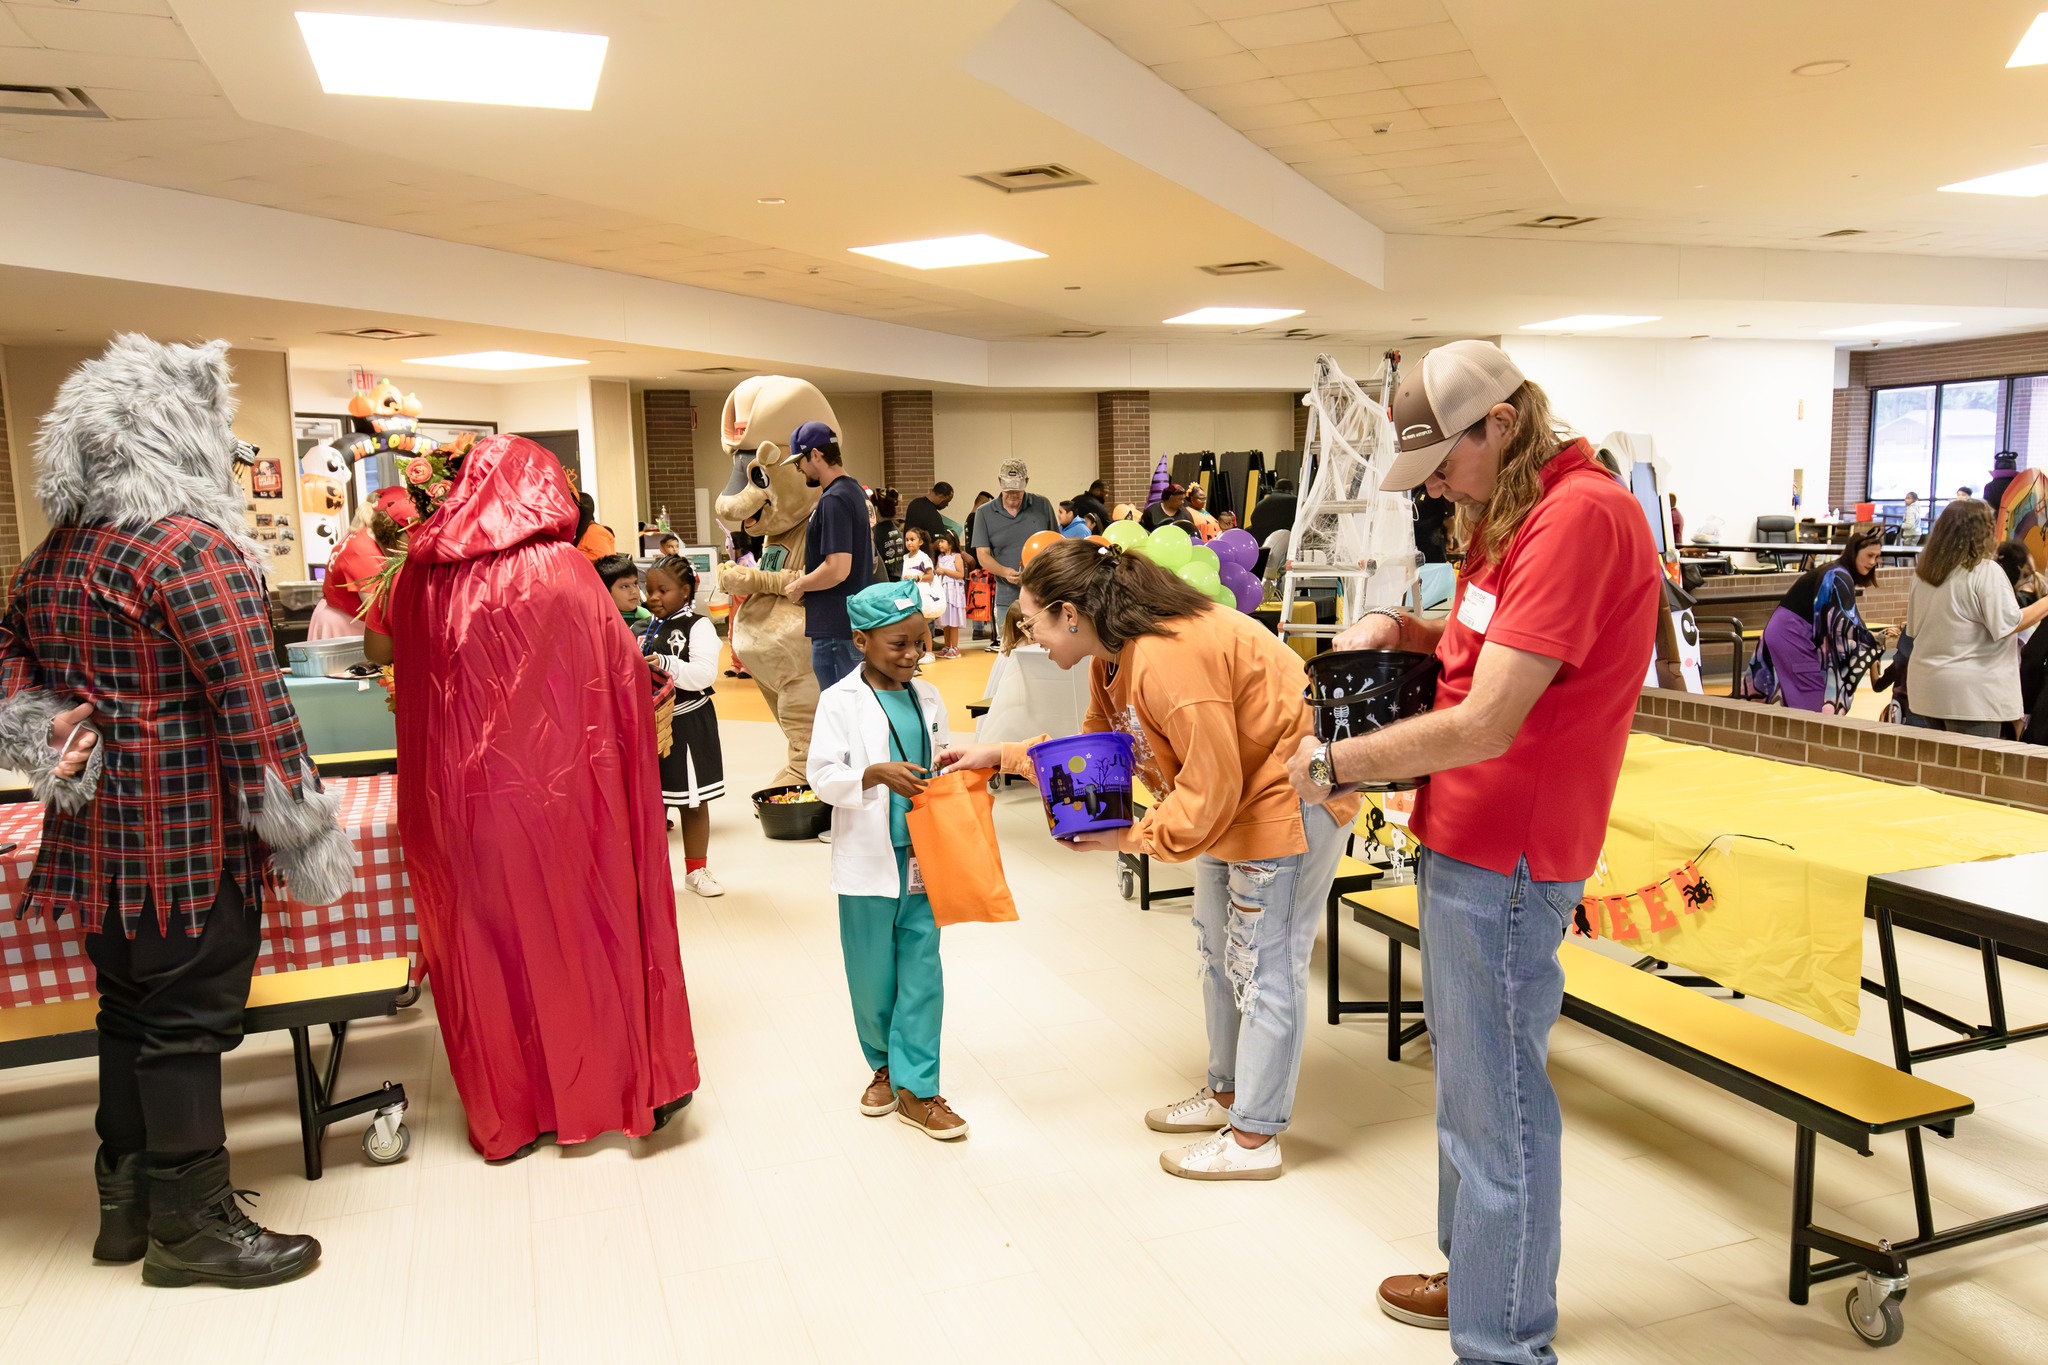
(529, 800)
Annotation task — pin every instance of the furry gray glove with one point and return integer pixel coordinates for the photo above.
(313, 853)
(25, 720)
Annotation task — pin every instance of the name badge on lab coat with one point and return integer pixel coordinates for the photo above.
(1475, 608)
(916, 879)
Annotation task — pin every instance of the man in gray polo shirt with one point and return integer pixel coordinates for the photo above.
(1002, 527)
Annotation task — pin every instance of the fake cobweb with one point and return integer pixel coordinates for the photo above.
(1344, 521)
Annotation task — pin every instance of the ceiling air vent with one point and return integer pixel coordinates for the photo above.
(1081, 332)
(1302, 334)
(1557, 221)
(1240, 268)
(1023, 179)
(1842, 232)
(50, 101)
(380, 334)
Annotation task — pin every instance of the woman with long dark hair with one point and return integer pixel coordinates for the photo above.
(1815, 648)
(1214, 704)
(1965, 622)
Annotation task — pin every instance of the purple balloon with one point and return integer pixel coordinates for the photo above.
(1236, 546)
(1236, 577)
(1249, 594)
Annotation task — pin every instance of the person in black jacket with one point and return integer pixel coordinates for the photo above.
(1274, 512)
(1095, 501)
(924, 512)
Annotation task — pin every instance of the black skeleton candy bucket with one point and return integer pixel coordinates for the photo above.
(1354, 691)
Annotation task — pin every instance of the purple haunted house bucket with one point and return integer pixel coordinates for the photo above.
(1085, 781)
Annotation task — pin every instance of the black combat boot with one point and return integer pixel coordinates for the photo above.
(124, 1206)
(198, 1233)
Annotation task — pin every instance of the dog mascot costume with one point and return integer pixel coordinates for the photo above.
(141, 627)
(768, 498)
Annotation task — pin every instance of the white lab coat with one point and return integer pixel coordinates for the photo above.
(851, 732)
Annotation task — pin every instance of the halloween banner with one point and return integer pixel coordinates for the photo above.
(1655, 907)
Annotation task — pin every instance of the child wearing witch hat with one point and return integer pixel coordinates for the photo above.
(872, 745)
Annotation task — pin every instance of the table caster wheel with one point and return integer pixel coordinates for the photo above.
(387, 1139)
(1127, 883)
(1875, 1312)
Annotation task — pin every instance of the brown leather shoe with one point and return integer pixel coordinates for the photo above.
(934, 1116)
(879, 1098)
(1418, 1300)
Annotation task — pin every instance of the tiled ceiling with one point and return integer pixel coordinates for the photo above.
(1379, 102)
(172, 126)
(1384, 104)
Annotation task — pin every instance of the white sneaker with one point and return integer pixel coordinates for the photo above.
(703, 883)
(928, 657)
(1222, 1157)
(1199, 1114)
(826, 837)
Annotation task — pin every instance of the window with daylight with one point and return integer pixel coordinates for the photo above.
(1934, 439)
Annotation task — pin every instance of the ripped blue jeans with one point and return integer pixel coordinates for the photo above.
(1256, 924)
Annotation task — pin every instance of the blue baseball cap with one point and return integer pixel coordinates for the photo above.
(811, 436)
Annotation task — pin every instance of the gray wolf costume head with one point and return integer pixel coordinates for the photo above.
(142, 433)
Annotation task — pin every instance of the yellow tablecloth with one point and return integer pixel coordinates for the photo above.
(1786, 923)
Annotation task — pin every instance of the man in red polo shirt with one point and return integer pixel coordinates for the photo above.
(1547, 644)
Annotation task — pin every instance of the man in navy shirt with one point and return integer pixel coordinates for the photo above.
(839, 553)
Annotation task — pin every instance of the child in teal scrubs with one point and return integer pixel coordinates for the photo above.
(872, 744)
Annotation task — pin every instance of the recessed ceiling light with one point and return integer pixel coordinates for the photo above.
(2028, 182)
(1589, 322)
(1886, 329)
(429, 59)
(771, 200)
(495, 360)
(940, 253)
(2033, 48)
(1234, 317)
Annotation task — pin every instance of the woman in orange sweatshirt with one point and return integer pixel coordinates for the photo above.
(1213, 702)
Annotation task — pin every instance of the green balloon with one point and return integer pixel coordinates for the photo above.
(1202, 580)
(1169, 547)
(1223, 597)
(1202, 556)
(1124, 534)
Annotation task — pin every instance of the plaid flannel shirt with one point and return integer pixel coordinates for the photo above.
(166, 631)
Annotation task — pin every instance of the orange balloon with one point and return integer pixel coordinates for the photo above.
(1040, 542)
(1097, 540)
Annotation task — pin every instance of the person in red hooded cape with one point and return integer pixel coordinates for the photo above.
(529, 802)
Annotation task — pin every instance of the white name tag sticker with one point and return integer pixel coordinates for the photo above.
(916, 878)
(1475, 608)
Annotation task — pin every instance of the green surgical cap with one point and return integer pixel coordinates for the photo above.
(881, 604)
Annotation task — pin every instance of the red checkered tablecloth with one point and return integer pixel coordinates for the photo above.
(42, 962)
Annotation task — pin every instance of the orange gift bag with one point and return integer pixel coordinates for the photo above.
(953, 832)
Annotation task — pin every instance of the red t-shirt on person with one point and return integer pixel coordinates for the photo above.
(1579, 584)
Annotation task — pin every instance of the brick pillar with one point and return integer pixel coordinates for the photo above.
(1123, 442)
(1300, 423)
(909, 460)
(10, 524)
(672, 460)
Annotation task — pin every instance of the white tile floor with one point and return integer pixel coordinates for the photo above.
(780, 1225)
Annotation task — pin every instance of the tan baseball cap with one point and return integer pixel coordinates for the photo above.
(1453, 387)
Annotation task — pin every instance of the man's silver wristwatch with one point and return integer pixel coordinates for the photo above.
(1321, 771)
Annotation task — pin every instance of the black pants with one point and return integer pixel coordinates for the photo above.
(170, 1005)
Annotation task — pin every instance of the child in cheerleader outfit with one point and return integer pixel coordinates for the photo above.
(684, 645)
(949, 570)
(872, 746)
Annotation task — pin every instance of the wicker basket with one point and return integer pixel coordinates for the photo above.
(664, 718)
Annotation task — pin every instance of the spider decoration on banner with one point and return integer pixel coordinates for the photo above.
(1624, 917)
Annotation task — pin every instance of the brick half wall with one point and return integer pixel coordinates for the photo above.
(2011, 774)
